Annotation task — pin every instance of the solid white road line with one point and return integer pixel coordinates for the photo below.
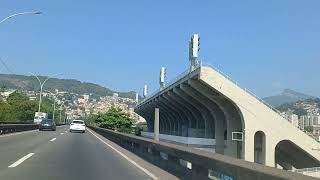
(21, 160)
(61, 133)
(126, 157)
(13, 134)
(53, 139)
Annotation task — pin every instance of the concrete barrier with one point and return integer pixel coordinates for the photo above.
(11, 128)
(190, 163)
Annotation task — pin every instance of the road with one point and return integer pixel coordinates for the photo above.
(55, 155)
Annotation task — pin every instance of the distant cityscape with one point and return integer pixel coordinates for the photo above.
(81, 105)
(310, 121)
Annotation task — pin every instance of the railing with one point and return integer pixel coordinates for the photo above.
(11, 128)
(186, 72)
(307, 170)
(180, 76)
(16, 122)
(189, 163)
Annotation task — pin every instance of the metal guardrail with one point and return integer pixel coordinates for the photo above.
(180, 76)
(201, 164)
(11, 128)
(307, 170)
(199, 65)
(16, 122)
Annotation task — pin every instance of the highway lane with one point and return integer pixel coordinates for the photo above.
(53, 155)
(17, 145)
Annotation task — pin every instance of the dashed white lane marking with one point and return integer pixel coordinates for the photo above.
(53, 139)
(61, 133)
(15, 164)
(127, 158)
(13, 134)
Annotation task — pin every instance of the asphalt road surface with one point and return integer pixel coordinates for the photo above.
(62, 155)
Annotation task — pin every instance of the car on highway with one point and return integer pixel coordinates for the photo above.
(47, 124)
(77, 126)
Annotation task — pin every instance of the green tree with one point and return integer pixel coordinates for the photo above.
(5, 112)
(16, 98)
(308, 128)
(114, 118)
(21, 108)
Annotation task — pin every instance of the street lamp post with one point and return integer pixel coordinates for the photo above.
(19, 14)
(61, 108)
(41, 87)
(54, 104)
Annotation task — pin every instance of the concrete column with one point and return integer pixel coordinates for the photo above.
(270, 153)
(156, 124)
(219, 135)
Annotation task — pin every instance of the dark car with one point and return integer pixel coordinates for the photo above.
(47, 124)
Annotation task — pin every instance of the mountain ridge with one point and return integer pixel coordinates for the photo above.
(287, 96)
(30, 83)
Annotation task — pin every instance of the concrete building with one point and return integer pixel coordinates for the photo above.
(86, 97)
(309, 120)
(204, 107)
(292, 118)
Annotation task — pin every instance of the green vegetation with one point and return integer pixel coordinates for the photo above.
(18, 108)
(21, 82)
(308, 128)
(140, 127)
(114, 118)
(296, 110)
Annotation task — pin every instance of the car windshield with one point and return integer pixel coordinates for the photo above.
(47, 121)
(77, 122)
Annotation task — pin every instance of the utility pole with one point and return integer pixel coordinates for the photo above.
(60, 115)
(61, 108)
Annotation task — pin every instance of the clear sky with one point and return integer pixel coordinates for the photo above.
(265, 45)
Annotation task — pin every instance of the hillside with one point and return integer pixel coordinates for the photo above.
(303, 107)
(22, 82)
(287, 96)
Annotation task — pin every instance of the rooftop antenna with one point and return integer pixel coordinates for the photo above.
(194, 49)
(162, 77)
(145, 91)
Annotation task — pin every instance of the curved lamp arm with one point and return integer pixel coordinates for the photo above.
(18, 14)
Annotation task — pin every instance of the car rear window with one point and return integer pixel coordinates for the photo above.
(46, 122)
(77, 122)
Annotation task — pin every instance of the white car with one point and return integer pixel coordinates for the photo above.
(77, 126)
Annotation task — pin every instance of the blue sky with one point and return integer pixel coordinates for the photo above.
(265, 45)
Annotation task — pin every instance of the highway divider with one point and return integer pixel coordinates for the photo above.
(11, 128)
(189, 163)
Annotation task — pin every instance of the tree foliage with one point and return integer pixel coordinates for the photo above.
(308, 128)
(115, 119)
(18, 107)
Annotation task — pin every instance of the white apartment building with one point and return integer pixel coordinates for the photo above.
(309, 120)
(292, 118)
